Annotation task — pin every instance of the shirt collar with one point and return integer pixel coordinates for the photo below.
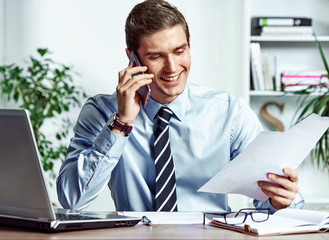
(178, 106)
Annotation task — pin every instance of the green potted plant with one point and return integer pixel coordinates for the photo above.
(316, 100)
(45, 88)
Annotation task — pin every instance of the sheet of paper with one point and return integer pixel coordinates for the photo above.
(269, 152)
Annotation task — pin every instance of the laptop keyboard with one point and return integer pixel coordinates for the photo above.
(71, 217)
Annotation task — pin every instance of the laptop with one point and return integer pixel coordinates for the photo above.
(24, 198)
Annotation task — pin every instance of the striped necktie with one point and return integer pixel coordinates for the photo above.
(165, 181)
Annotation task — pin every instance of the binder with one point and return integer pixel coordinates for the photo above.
(283, 21)
(257, 23)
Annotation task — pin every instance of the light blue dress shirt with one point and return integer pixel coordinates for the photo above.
(208, 129)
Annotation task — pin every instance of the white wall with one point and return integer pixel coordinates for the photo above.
(2, 31)
(2, 39)
(90, 36)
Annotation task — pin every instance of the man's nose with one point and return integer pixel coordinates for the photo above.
(170, 64)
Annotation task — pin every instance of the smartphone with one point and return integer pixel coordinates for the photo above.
(144, 92)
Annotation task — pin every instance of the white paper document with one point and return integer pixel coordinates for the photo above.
(269, 152)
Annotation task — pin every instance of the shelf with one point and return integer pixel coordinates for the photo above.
(267, 93)
(271, 93)
(254, 93)
(288, 39)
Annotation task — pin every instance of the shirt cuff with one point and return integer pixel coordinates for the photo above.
(298, 203)
(109, 143)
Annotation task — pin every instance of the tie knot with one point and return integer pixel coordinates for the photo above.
(164, 115)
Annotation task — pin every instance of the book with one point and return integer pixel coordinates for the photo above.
(262, 69)
(304, 87)
(285, 221)
(302, 80)
(257, 23)
(268, 73)
(257, 75)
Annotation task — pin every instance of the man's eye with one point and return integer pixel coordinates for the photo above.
(155, 57)
(180, 51)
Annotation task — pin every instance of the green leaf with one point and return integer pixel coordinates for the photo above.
(322, 54)
(319, 105)
(45, 88)
(58, 136)
(42, 51)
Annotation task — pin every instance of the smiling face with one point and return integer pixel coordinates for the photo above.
(166, 53)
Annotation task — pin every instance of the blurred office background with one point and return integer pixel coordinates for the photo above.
(89, 35)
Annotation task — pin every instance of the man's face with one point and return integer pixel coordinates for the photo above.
(166, 53)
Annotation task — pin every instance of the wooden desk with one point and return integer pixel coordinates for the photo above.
(191, 231)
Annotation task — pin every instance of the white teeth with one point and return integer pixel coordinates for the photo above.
(171, 78)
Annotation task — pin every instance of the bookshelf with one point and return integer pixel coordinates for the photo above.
(292, 53)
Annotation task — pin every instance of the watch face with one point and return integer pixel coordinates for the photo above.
(112, 119)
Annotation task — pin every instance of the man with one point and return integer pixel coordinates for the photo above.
(207, 129)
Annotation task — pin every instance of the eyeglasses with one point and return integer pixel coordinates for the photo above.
(256, 214)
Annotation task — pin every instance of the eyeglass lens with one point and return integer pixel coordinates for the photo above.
(241, 216)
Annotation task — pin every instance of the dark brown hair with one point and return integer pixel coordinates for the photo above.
(149, 17)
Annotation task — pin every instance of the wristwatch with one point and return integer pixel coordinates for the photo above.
(114, 122)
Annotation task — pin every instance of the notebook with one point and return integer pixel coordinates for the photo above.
(24, 198)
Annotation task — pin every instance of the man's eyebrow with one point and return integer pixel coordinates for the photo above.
(184, 45)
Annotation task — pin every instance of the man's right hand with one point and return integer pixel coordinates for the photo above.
(128, 98)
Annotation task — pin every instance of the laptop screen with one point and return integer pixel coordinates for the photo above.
(22, 185)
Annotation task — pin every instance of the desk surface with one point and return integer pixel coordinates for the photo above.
(161, 231)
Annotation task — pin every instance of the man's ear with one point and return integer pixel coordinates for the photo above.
(128, 52)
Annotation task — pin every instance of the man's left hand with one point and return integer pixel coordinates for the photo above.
(283, 189)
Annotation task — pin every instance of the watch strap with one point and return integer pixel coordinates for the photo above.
(118, 124)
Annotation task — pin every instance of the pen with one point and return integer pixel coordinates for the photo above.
(146, 221)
